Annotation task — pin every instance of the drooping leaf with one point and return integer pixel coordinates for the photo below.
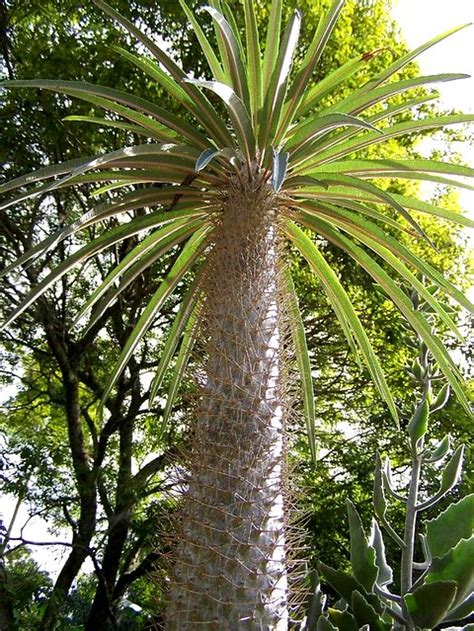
(183, 263)
(346, 585)
(304, 363)
(343, 308)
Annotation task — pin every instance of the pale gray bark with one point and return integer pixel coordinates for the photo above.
(230, 570)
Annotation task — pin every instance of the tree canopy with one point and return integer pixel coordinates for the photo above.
(50, 426)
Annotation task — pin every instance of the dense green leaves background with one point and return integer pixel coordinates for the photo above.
(43, 439)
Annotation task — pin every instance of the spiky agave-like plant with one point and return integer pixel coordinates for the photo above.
(231, 194)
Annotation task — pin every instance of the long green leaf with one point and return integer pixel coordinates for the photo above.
(363, 229)
(331, 81)
(308, 132)
(108, 122)
(276, 91)
(174, 336)
(355, 104)
(131, 201)
(234, 62)
(237, 112)
(339, 150)
(156, 244)
(206, 48)
(182, 359)
(415, 318)
(272, 44)
(309, 63)
(304, 362)
(191, 252)
(342, 306)
(109, 98)
(137, 225)
(355, 183)
(203, 109)
(254, 61)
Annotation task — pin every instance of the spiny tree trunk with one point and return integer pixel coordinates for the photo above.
(230, 571)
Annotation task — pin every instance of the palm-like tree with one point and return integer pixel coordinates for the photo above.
(231, 196)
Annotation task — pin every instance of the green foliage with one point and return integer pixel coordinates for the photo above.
(34, 423)
(443, 587)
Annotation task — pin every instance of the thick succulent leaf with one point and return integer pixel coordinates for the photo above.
(429, 604)
(465, 609)
(190, 253)
(233, 61)
(254, 61)
(203, 108)
(365, 614)
(455, 523)
(304, 362)
(441, 398)
(343, 308)
(317, 603)
(174, 336)
(346, 585)
(384, 571)
(237, 112)
(276, 92)
(325, 625)
(418, 425)
(107, 239)
(415, 318)
(343, 620)
(381, 504)
(449, 477)
(182, 360)
(362, 555)
(309, 63)
(456, 566)
(439, 452)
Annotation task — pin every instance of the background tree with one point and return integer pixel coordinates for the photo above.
(61, 146)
